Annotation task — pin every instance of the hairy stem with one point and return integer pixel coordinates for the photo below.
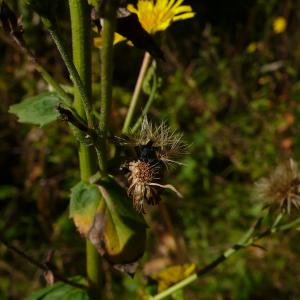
(106, 75)
(74, 70)
(80, 24)
(246, 241)
(136, 93)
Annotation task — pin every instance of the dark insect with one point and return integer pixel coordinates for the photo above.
(149, 154)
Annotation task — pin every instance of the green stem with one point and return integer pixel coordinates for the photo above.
(106, 75)
(67, 100)
(291, 225)
(175, 287)
(93, 270)
(148, 104)
(73, 70)
(246, 239)
(277, 221)
(81, 41)
(136, 93)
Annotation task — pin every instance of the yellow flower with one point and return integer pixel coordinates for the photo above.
(154, 16)
(117, 39)
(158, 15)
(279, 25)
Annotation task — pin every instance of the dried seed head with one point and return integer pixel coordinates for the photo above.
(140, 189)
(156, 147)
(168, 143)
(282, 188)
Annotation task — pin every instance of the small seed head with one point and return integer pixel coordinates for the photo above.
(140, 189)
(156, 147)
(282, 188)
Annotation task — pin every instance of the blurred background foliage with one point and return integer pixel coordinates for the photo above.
(231, 85)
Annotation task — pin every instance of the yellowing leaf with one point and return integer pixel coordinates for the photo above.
(104, 214)
(172, 275)
(124, 232)
(85, 199)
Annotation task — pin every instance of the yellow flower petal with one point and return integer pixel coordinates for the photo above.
(117, 39)
(160, 14)
(279, 25)
(183, 9)
(155, 16)
(184, 16)
(132, 9)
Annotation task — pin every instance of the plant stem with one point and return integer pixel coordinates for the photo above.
(148, 104)
(175, 287)
(74, 74)
(244, 242)
(20, 43)
(109, 25)
(136, 93)
(54, 84)
(43, 266)
(80, 24)
(277, 221)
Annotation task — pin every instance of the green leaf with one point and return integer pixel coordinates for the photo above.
(124, 231)
(105, 215)
(85, 199)
(39, 110)
(118, 203)
(61, 291)
(84, 196)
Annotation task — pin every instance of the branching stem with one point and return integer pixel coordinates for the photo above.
(246, 241)
(74, 74)
(44, 267)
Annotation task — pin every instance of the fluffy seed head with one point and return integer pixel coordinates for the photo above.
(282, 188)
(169, 144)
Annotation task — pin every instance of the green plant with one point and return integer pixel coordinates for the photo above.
(97, 198)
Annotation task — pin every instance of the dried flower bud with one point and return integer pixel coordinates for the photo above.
(282, 188)
(140, 189)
